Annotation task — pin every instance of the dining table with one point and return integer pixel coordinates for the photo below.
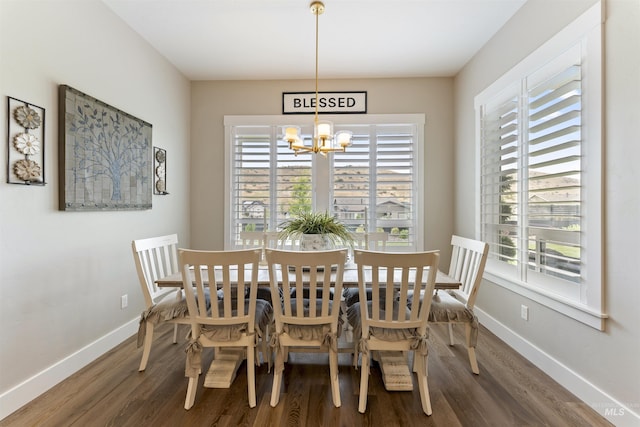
(349, 278)
(396, 373)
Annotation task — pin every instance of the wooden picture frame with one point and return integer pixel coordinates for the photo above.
(104, 156)
(25, 143)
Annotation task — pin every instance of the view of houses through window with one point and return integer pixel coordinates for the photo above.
(370, 186)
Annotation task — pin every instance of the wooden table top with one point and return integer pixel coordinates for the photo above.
(349, 279)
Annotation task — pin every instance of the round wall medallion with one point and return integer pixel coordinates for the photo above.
(27, 117)
(26, 144)
(160, 156)
(27, 170)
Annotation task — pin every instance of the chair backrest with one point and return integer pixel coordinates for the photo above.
(289, 244)
(372, 241)
(230, 277)
(317, 272)
(392, 279)
(377, 240)
(359, 240)
(252, 239)
(468, 259)
(155, 257)
(272, 240)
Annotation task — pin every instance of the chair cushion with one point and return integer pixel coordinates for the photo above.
(167, 309)
(446, 308)
(352, 295)
(225, 333)
(305, 292)
(264, 314)
(354, 316)
(309, 332)
(263, 293)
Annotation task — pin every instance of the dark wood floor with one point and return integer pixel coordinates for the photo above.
(509, 391)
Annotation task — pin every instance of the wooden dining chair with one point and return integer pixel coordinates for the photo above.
(370, 241)
(236, 318)
(157, 257)
(252, 239)
(306, 322)
(452, 307)
(373, 241)
(377, 241)
(386, 323)
(272, 240)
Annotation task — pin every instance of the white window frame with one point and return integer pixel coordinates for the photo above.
(586, 305)
(321, 184)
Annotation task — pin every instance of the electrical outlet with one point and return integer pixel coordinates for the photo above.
(124, 301)
(524, 312)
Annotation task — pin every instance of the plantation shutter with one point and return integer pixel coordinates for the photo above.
(352, 181)
(251, 148)
(540, 144)
(376, 177)
(530, 201)
(395, 167)
(293, 181)
(554, 168)
(500, 177)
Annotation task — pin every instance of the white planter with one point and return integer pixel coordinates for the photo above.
(314, 242)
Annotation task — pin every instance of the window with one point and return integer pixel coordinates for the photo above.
(370, 187)
(539, 132)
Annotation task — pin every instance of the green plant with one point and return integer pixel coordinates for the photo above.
(301, 195)
(316, 223)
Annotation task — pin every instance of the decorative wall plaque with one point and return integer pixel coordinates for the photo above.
(105, 156)
(25, 143)
(160, 171)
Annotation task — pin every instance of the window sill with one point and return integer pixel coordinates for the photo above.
(580, 312)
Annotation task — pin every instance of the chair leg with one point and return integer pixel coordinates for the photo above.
(422, 384)
(251, 376)
(277, 381)
(175, 333)
(335, 382)
(450, 333)
(175, 326)
(364, 383)
(146, 350)
(191, 393)
(471, 351)
(343, 314)
(266, 353)
(355, 355)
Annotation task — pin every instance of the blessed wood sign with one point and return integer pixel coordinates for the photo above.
(328, 102)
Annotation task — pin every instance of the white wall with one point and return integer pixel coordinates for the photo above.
(600, 367)
(212, 100)
(62, 273)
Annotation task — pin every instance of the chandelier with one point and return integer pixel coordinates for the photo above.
(324, 141)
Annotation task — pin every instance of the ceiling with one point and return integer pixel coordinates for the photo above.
(275, 39)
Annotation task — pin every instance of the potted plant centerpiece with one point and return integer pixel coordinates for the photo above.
(316, 231)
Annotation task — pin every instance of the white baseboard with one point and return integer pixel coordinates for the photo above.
(16, 397)
(614, 411)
